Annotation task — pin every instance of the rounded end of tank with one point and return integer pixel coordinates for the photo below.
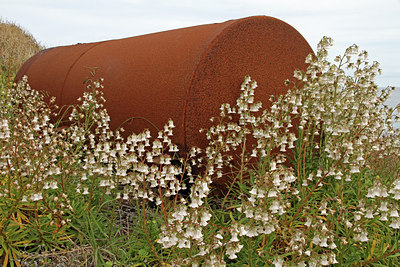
(265, 48)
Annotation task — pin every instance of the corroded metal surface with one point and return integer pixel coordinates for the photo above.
(183, 74)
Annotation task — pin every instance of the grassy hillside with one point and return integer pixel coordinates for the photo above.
(16, 46)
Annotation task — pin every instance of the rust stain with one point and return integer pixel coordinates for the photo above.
(183, 74)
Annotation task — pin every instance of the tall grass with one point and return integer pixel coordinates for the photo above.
(16, 46)
(315, 179)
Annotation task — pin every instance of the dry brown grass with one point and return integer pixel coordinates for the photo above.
(77, 256)
(16, 46)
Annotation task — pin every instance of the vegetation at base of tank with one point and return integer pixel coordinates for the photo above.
(315, 178)
(16, 46)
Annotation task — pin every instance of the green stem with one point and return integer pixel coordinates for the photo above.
(236, 176)
(146, 230)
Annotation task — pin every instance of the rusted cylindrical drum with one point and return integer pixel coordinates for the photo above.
(184, 74)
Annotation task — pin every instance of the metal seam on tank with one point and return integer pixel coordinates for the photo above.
(34, 59)
(72, 65)
(206, 50)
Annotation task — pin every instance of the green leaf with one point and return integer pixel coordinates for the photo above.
(143, 252)
(231, 215)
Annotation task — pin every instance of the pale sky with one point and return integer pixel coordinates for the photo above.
(374, 25)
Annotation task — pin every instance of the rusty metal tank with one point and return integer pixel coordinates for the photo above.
(183, 74)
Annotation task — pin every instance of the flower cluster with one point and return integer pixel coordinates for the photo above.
(322, 132)
(32, 153)
(4, 130)
(303, 172)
